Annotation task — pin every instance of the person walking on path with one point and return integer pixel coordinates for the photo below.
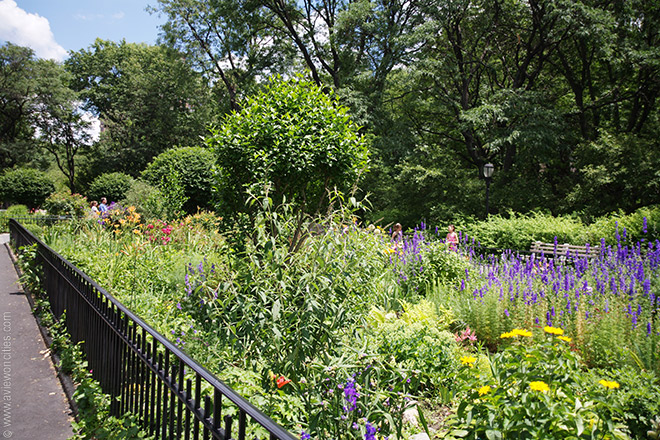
(34, 403)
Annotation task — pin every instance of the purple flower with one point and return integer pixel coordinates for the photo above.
(350, 396)
(371, 432)
(305, 436)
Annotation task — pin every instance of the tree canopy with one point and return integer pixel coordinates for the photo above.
(148, 99)
(293, 136)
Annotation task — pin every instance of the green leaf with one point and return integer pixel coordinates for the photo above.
(492, 434)
(579, 423)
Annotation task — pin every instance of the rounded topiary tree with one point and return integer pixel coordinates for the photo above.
(194, 168)
(25, 186)
(293, 136)
(112, 186)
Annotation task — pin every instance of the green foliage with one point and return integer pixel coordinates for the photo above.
(22, 85)
(31, 271)
(12, 211)
(194, 166)
(621, 169)
(536, 390)
(64, 203)
(638, 397)
(633, 224)
(174, 193)
(147, 199)
(417, 342)
(149, 98)
(519, 231)
(294, 136)
(25, 186)
(345, 392)
(112, 186)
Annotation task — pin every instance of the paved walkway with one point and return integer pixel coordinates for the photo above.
(32, 402)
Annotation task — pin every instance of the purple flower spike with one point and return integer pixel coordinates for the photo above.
(371, 432)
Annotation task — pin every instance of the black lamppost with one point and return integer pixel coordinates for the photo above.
(488, 175)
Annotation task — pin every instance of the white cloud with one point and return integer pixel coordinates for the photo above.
(83, 17)
(31, 30)
(119, 15)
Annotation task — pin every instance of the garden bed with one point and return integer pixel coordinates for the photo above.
(340, 339)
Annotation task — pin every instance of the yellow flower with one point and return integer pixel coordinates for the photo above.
(507, 335)
(553, 330)
(484, 390)
(521, 332)
(135, 231)
(609, 384)
(565, 338)
(468, 360)
(539, 386)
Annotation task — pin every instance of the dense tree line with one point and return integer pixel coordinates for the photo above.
(561, 96)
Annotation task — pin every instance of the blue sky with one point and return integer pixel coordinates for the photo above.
(54, 27)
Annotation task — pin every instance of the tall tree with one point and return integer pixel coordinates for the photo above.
(20, 74)
(148, 99)
(62, 128)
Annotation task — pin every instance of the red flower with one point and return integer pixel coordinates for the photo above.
(281, 381)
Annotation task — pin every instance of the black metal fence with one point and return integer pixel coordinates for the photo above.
(143, 372)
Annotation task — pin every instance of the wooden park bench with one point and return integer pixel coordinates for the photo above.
(564, 250)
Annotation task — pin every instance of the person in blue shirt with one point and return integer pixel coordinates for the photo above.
(103, 207)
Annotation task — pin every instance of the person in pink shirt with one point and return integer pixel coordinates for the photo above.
(452, 238)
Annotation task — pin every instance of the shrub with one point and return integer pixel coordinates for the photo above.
(112, 186)
(147, 199)
(643, 224)
(293, 135)
(12, 211)
(415, 342)
(25, 186)
(194, 166)
(536, 390)
(64, 203)
(518, 231)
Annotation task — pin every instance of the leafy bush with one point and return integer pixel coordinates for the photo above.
(112, 186)
(194, 166)
(519, 231)
(641, 225)
(25, 186)
(293, 135)
(12, 211)
(416, 342)
(536, 390)
(147, 199)
(64, 203)
(638, 397)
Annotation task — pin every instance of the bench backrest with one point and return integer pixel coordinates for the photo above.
(573, 250)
